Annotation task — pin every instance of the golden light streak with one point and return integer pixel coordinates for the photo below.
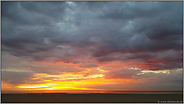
(73, 85)
(47, 80)
(94, 76)
(67, 76)
(34, 78)
(159, 71)
(39, 86)
(101, 70)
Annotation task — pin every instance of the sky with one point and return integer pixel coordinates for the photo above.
(91, 46)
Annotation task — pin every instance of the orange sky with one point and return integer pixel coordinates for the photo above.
(90, 80)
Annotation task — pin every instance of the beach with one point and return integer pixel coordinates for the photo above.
(91, 98)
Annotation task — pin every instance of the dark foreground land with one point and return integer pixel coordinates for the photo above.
(91, 98)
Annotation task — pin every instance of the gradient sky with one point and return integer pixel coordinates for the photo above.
(91, 46)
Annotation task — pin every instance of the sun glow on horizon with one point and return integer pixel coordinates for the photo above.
(75, 81)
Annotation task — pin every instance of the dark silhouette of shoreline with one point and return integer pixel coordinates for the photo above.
(90, 98)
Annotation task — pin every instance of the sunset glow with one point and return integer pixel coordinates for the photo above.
(90, 47)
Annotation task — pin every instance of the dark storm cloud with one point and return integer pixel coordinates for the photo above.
(105, 31)
(134, 10)
(33, 13)
(160, 32)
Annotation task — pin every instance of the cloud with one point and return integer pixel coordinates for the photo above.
(89, 65)
(33, 13)
(16, 77)
(145, 35)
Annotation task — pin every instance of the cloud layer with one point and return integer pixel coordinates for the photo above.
(145, 35)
